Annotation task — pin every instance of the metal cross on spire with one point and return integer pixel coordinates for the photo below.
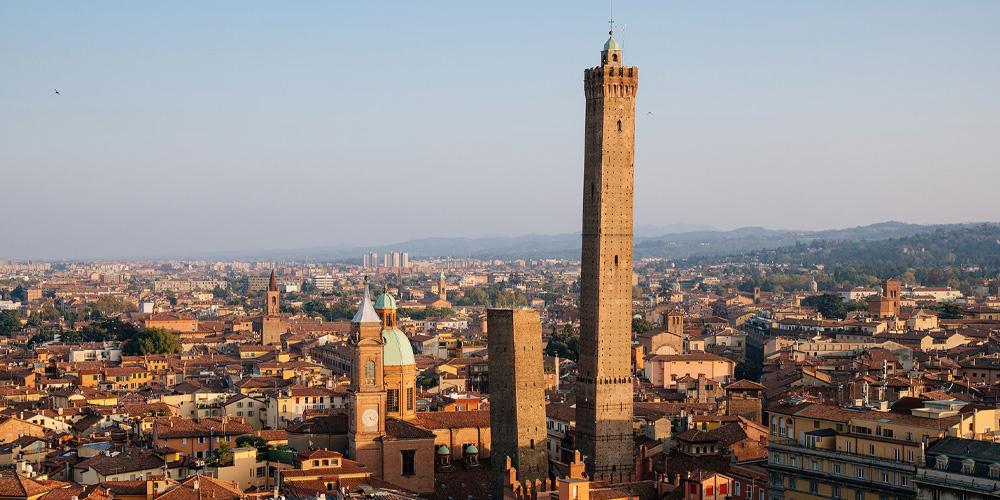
(611, 22)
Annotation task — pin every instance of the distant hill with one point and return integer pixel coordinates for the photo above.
(705, 242)
(651, 231)
(971, 248)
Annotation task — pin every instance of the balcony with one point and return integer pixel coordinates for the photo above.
(839, 456)
(957, 481)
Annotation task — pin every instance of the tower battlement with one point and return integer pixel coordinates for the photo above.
(610, 81)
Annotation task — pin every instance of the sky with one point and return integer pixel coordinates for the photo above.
(187, 127)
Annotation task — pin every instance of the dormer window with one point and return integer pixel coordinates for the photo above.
(941, 462)
(995, 470)
(968, 465)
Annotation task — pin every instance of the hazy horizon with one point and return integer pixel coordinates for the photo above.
(187, 129)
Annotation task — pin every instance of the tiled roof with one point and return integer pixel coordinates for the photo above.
(130, 461)
(20, 486)
(179, 427)
(404, 430)
(744, 384)
(325, 424)
(453, 419)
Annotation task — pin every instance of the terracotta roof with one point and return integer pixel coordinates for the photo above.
(209, 488)
(19, 486)
(744, 384)
(696, 436)
(325, 424)
(453, 419)
(404, 430)
(321, 453)
(130, 461)
(179, 427)
(346, 467)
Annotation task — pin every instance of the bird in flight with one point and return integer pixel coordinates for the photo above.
(57, 91)
(649, 112)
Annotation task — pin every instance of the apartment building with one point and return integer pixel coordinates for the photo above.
(820, 451)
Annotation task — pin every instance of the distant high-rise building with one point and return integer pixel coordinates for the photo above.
(405, 260)
(604, 386)
(323, 282)
(517, 406)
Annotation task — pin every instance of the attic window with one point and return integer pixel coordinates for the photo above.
(941, 462)
(995, 470)
(968, 465)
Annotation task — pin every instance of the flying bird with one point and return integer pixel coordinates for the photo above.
(649, 112)
(57, 91)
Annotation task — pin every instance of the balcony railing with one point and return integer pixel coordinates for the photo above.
(958, 482)
(844, 457)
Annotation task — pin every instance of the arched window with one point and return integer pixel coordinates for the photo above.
(369, 372)
(614, 57)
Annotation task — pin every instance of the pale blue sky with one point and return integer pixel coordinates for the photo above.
(202, 126)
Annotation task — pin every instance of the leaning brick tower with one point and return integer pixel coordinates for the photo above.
(604, 387)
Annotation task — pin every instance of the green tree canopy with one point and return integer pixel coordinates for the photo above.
(109, 305)
(10, 322)
(251, 441)
(640, 325)
(151, 341)
(564, 343)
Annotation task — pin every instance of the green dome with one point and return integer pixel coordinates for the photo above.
(397, 350)
(385, 301)
(443, 451)
(472, 450)
(611, 44)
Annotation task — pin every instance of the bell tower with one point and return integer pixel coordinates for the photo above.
(604, 386)
(366, 394)
(271, 327)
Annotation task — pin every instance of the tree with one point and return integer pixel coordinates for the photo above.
(641, 325)
(830, 305)
(251, 441)
(949, 310)
(151, 341)
(10, 322)
(39, 338)
(71, 337)
(108, 329)
(220, 293)
(109, 305)
(564, 344)
(223, 455)
(746, 370)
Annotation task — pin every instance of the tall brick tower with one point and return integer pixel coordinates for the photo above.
(271, 325)
(604, 387)
(517, 406)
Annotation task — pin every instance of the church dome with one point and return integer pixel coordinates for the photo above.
(443, 451)
(397, 350)
(472, 450)
(385, 301)
(611, 44)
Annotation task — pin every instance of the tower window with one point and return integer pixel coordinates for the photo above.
(616, 260)
(614, 57)
(619, 125)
